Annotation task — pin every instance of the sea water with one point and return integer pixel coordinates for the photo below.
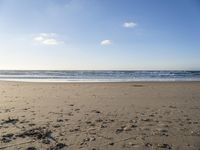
(98, 76)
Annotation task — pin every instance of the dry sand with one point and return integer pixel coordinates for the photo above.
(93, 116)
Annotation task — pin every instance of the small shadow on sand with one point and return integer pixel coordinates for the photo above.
(137, 85)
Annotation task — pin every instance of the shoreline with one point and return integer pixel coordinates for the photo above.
(103, 82)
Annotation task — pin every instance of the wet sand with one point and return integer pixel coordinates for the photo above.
(99, 116)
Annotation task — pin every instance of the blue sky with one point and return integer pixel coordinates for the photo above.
(100, 34)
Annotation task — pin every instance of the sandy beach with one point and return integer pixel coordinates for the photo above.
(100, 116)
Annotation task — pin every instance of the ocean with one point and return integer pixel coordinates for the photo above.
(98, 76)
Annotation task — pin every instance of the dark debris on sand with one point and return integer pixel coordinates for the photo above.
(166, 146)
(31, 148)
(37, 133)
(57, 146)
(9, 120)
(40, 133)
(7, 138)
(96, 111)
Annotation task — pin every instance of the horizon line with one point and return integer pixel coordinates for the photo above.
(99, 69)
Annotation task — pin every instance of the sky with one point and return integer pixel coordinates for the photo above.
(100, 34)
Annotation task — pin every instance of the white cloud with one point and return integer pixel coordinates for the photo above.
(129, 24)
(50, 42)
(47, 39)
(48, 34)
(39, 38)
(106, 42)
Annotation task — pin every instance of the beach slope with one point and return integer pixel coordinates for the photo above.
(137, 115)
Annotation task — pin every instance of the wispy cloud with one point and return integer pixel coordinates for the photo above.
(129, 24)
(47, 39)
(106, 42)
